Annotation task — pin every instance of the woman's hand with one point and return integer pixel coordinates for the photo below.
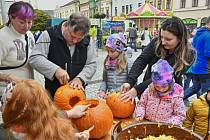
(125, 88)
(77, 111)
(84, 135)
(102, 95)
(130, 95)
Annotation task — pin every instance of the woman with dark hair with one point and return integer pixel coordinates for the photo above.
(16, 42)
(171, 45)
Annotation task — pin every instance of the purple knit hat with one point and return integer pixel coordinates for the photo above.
(116, 42)
(162, 73)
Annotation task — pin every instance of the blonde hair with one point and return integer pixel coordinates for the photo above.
(31, 107)
(121, 62)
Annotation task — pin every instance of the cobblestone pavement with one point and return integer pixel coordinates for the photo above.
(92, 88)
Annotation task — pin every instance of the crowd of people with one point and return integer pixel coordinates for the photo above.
(64, 55)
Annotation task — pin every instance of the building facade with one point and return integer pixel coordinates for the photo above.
(84, 7)
(193, 12)
(66, 10)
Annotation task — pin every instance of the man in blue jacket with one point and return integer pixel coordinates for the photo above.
(201, 65)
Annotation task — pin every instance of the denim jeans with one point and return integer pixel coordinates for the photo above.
(133, 43)
(187, 79)
(200, 83)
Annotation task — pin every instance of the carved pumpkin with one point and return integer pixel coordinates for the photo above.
(119, 108)
(99, 115)
(66, 97)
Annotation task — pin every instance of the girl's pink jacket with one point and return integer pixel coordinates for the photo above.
(153, 108)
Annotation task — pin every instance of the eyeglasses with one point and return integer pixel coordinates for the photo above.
(7, 95)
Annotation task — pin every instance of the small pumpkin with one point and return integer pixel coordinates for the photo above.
(66, 97)
(120, 109)
(99, 115)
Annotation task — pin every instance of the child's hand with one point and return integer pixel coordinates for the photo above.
(84, 135)
(138, 119)
(102, 94)
(77, 111)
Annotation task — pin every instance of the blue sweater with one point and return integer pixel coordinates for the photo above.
(201, 43)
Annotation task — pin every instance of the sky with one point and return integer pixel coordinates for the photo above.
(46, 4)
(49, 4)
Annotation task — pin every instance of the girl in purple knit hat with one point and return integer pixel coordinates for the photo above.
(116, 65)
(162, 101)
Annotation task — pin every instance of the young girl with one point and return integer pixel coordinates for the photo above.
(29, 113)
(162, 100)
(115, 65)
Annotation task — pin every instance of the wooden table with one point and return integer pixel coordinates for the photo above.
(125, 122)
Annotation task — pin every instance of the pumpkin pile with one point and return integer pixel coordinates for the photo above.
(98, 114)
(120, 109)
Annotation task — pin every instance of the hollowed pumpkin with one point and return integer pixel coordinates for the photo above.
(99, 115)
(66, 97)
(119, 108)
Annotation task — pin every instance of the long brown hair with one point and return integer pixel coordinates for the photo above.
(31, 107)
(183, 52)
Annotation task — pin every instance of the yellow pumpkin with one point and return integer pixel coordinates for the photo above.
(66, 97)
(120, 109)
(99, 115)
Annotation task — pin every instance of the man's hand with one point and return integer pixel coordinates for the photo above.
(125, 88)
(77, 83)
(85, 134)
(8, 77)
(77, 111)
(62, 76)
(130, 95)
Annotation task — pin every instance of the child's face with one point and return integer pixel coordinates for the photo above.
(112, 53)
(162, 89)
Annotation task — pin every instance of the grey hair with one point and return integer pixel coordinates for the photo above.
(78, 22)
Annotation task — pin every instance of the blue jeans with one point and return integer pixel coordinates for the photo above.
(187, 79)
(133, 43)
(200, 83)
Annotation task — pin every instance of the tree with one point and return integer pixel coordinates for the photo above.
(40, 20)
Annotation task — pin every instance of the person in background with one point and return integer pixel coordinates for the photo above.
(197, 116)
(16, 42)
(145, 37)
(132, 37)
(171, 45)
(162, 100)
(29, 113)
(201, 66)
(115, 65)
(64, 54)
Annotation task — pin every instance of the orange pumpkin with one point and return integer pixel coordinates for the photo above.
(99, 115)
(66, 97)
(119, 108)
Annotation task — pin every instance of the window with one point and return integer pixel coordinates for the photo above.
(131, 8)
(123, 9)
(159, 4)
(126, 9)
(207, 2)
(139, 4)
(115, 11)
(182, 3)
(195, 3)
(168, 4)
(107, 11)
